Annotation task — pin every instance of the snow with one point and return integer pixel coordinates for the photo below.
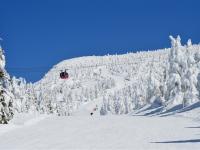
(144, 100)
(107, 132)
(21, 120)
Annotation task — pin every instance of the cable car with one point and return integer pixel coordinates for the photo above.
(64, 75)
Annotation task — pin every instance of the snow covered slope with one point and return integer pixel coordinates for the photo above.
(120, 84)
(147, 100)
(102, 133)
(98, 77)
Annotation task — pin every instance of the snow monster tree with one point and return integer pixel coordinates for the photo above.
(6, 111)
(182, 75)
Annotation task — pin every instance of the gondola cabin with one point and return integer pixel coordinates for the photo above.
(64, 75)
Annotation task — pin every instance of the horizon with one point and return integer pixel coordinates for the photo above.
(40, 34)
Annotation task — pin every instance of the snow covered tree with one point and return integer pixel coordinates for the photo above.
(6, 101)
(198, 83)
(182, 79)
(189, 80)
(153, 87)
(103, 110)
(176, 67)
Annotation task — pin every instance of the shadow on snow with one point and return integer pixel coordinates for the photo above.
(157, 109)
(180, 141)
(193, 106)
(193, 127)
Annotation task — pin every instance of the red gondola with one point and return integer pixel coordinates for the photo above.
(64, 75)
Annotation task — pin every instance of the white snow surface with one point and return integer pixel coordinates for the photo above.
(125, 86)
(97, 132)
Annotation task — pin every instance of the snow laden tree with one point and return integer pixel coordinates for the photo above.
(189, 80)
(19, 91)
(31, 104)
(176, 68)
(6, 98)
(103, 110)
(154, 93)
(25, 97)
(181, 79)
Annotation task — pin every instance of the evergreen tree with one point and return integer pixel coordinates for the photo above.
(103, 110)
(6, 103)
(176, 68)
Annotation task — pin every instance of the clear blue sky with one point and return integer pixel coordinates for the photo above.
(40, 33)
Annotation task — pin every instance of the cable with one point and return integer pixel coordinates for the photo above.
(27, 69)
(43, 69)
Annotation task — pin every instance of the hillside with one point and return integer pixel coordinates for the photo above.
(144, 100)
(123, 84)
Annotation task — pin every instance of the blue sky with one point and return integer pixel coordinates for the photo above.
(38, 34)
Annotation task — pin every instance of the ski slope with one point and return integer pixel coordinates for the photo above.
(127, 88)
(107, 132)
